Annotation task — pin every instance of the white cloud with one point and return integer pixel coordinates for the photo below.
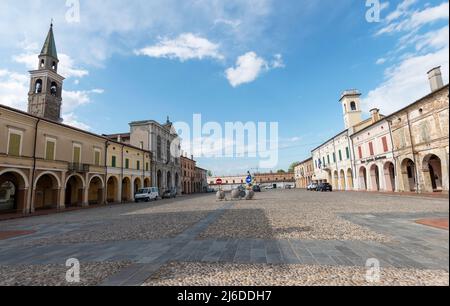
(66, 64)
(249, 67)
(14, 93)
(14, 89)
(75, 99)
(381, 61)
(419, 49)
(413, 20)
(277, 61)
(185, 47)
(406, 82)
(72, 120)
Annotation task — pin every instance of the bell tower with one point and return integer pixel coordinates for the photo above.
(45, 95)
(351, 104)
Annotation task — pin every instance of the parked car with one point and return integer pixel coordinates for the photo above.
(312, 187)
(325, 187)
(268, 188)
(169, 194)
(256, 188)
(146, 194)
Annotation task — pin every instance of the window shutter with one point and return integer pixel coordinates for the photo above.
(385, 145)
(97, 158)
(372, 153)
(14, 144)
(360, 152)
(113, 162)
(50, 153)
(76, 155)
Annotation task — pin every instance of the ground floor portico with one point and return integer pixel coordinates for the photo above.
(23, 190)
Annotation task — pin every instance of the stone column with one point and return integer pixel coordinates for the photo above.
(85, 202)
(61, 199)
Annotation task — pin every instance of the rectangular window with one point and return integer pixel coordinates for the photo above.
(385, 144)
(76, 154)
(340, 155)
(127, 163)
(50, 149)
(147, 167)
(324, 163)
(97, 158)
(347, 151)
(328, 159)
(315, 163)
(372, 153)
(15, 143)
(360, 152)
(138, 165)
(113, 161)
(334, 157)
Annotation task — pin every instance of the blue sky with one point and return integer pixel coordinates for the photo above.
(256, 60)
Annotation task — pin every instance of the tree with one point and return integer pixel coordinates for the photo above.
(210, 174)
(281, 171)
(292, 166)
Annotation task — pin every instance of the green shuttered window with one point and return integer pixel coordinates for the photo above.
(14, 144)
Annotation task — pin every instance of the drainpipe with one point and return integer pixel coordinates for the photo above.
(414, 153)
(355, 174)
(33, 173)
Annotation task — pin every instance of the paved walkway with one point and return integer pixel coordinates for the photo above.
(414, 246)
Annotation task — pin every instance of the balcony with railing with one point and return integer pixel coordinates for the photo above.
(80, 168)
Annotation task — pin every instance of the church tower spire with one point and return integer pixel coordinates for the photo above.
(45, 95)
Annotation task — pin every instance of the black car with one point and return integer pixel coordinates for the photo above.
(169, 194)
(256, 188)
(325, 187)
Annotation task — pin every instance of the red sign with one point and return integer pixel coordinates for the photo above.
(219, 182)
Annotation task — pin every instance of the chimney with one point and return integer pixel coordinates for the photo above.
(192, 157)
(375, 115)
(435, 78)
(119, 138)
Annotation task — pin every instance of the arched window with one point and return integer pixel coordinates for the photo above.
(42, 63)
(54, 66)
(353, 106)
(158, 148)
(38, 86)
(53, 89)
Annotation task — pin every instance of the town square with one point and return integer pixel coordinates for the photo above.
(224, 152)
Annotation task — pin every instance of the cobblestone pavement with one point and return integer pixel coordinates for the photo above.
(330, 236)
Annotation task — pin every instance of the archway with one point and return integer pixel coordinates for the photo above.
(147, 183)
(432, 173)
(159, 180)
(177, 181)
(375, 178)
(46, 192)
(112, 191)
(96, 191)
(126, 190)
(169, 181)
(409, 175)
(389, 176)
(342, 183)
(335, 180)
(363, 178)
(137, 185)
(350, 179)
(13, 192)
(74, 191)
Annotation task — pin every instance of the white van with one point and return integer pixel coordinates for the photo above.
(147, 194)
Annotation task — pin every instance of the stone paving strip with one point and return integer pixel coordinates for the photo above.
(91, 274)
(225, 274)
(313, 216)
(293, 228)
